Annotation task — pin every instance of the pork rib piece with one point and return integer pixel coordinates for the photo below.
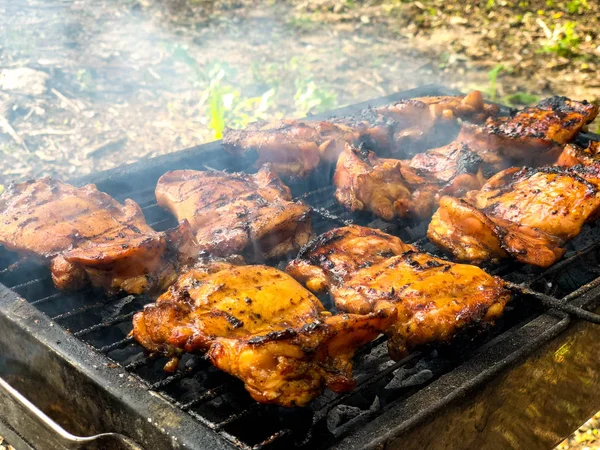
(533, 136)
(367, 270)
(233, 213)
(524, 213)
(87, 237)
(258, 324)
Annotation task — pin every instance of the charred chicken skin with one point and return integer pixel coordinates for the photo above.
(527, 214)
(391, 188)
(367, 270)
(86, 237)
(233, 213)
(533, 136)
(574, 154)
(258, 324)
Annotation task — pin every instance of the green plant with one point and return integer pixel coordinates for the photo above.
(490, 4)
(302, 22)
(310, 98)
(519, 99)
(577, 6)
(492, 90)
(563, 41)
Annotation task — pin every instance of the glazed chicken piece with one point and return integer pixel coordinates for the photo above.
(87, 237)
(233, 213)
(532, 136)
(574, 154)
(258, 324)
(294, 148)
(417, 117)
(392, 188)
(367, 270)
(290, 146)
(527, 214)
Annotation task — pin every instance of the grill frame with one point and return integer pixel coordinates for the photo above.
(90, 367)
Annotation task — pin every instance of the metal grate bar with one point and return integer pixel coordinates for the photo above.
(564, 262)
(275, 436)
(114, 345)
(106, 324)
(561, 305)
(236, 416)
(47, 299)
(171, 379)
(327, 215)
(81, 310)
(139, 363)
(207, 395)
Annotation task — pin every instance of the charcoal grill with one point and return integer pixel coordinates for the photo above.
(525, 383)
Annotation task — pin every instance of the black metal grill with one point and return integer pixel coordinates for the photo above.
(219, 401)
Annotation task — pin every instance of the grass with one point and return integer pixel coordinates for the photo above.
(563, 41)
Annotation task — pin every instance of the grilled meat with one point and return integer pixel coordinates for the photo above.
(258, 324)
(290, 146)
(296, 147)
(366, 270)
(532, 136)
(233, 213)
(574, 154)
(87, 237)
(391, 188)
(417, 118)
(527, 214)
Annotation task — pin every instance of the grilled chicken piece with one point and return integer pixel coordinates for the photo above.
(574, 154)
(527, 214)
(296, 147)
(87, 237)
(391, 188)
(417, 117)
(367, 270)
(533, 136)
(233, 213)
(258, 324)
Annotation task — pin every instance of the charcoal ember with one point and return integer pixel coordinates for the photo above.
(404, 378)
(344, 415)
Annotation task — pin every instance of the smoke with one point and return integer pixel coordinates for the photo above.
(127, 80)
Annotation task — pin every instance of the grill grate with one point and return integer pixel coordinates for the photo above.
(219, 402)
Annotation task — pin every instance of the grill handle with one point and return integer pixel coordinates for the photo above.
(18, 413)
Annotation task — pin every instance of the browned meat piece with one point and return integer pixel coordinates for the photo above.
(86, 237)
(366, 270)
(258, 324)
(417, 117)
(233, 213)
(527, 214)
(574, 154)
(533, 136)
(295, 147)
(391, 188)
(290, 146)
